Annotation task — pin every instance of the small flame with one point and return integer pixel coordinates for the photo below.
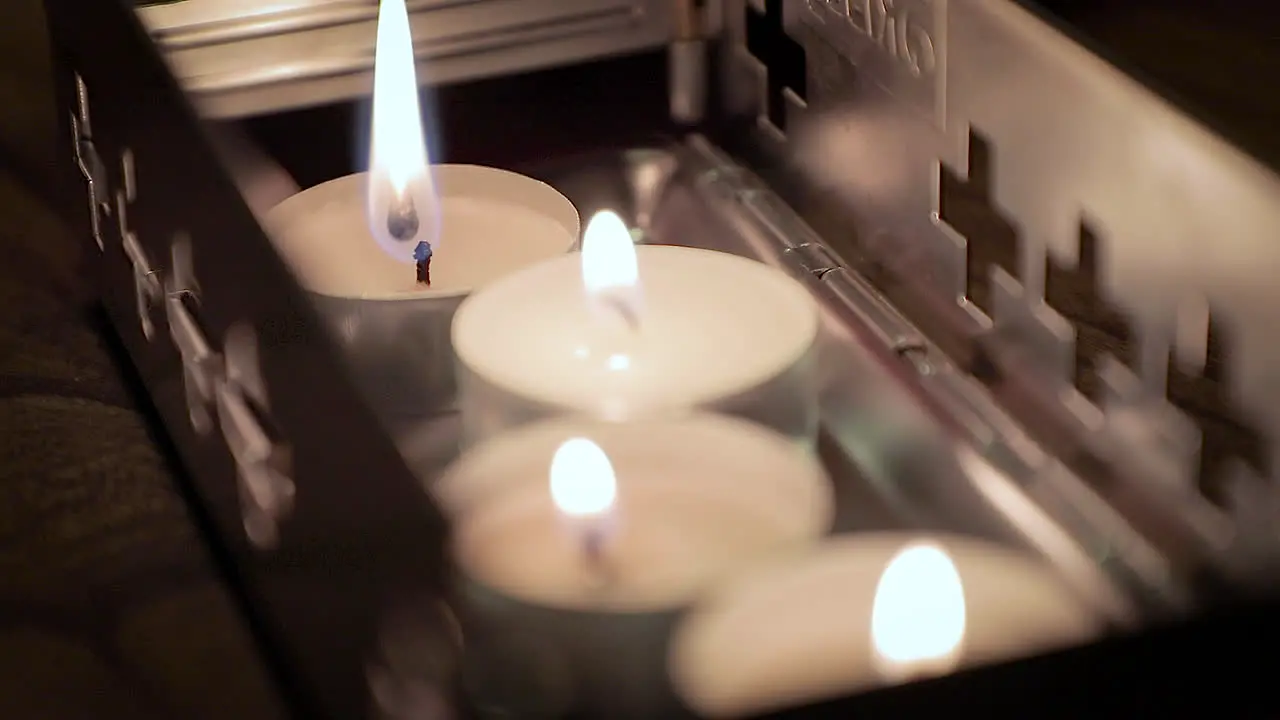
(918, 615)
(610, 272)
(583, 484)
(400, 183)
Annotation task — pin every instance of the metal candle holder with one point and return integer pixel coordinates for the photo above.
(843, 142)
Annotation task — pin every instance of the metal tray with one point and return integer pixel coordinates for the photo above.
(919, 471)
(914, 473)
(356, 573)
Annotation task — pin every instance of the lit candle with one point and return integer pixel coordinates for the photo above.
(668, 502)
(592, 562)
(917, 614)
(622, 331)
(584, 488)
(866, 610)
(363, 244)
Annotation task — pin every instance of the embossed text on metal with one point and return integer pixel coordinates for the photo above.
(904, 39)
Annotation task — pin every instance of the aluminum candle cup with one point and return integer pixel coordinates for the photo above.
(698, 329)
(866, 610)
(580, 541)
(395, 332)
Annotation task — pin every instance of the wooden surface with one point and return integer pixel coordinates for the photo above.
(110, 605)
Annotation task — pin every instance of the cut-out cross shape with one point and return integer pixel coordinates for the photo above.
(1101, 328)
(966, 206)
(783, 59)
(1225, 434)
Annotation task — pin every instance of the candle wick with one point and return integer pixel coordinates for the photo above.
(422, 262)
(625, 311)
(596, 558)
(402, 218)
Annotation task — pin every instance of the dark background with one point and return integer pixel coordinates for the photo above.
(110, 604)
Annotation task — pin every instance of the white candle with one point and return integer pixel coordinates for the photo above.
(352, 242)
(623, 331)
(491, 223)
(695, 498)
(355, 237)
(394, 330)
(864, 610)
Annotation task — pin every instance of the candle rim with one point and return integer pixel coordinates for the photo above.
(451, 180)
(465, 345)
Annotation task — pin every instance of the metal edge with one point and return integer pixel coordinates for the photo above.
(341, 560)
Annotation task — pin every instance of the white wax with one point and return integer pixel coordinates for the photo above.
(711, 326)
(698, 497)
(801, 631)
(492, 223)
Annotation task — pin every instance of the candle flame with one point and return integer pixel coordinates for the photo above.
(610, 272)
(918, 615)
(400, 192)
(583, 484)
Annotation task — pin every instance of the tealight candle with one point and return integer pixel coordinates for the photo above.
(866, 610)
(365, 245)
(622, 331)
(585, 539)
(394, 329)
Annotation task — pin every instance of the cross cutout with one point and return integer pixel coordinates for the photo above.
(1101, 328)
(966, 207)
(783, 59)
(1226, 434)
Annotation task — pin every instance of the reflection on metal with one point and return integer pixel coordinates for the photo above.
(146, 280)
(263, 463)
(148, 289)
(1122, 212)
(688, 72)
(200, 363)
(227, 389)
(237, 58)
(899, 435)
(88, 162)
(415, 666)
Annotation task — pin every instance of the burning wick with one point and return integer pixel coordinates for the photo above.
(609, 268)
(624, 309)
(584, 490)
(596, 558)
(402, 225)
(422, 259)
